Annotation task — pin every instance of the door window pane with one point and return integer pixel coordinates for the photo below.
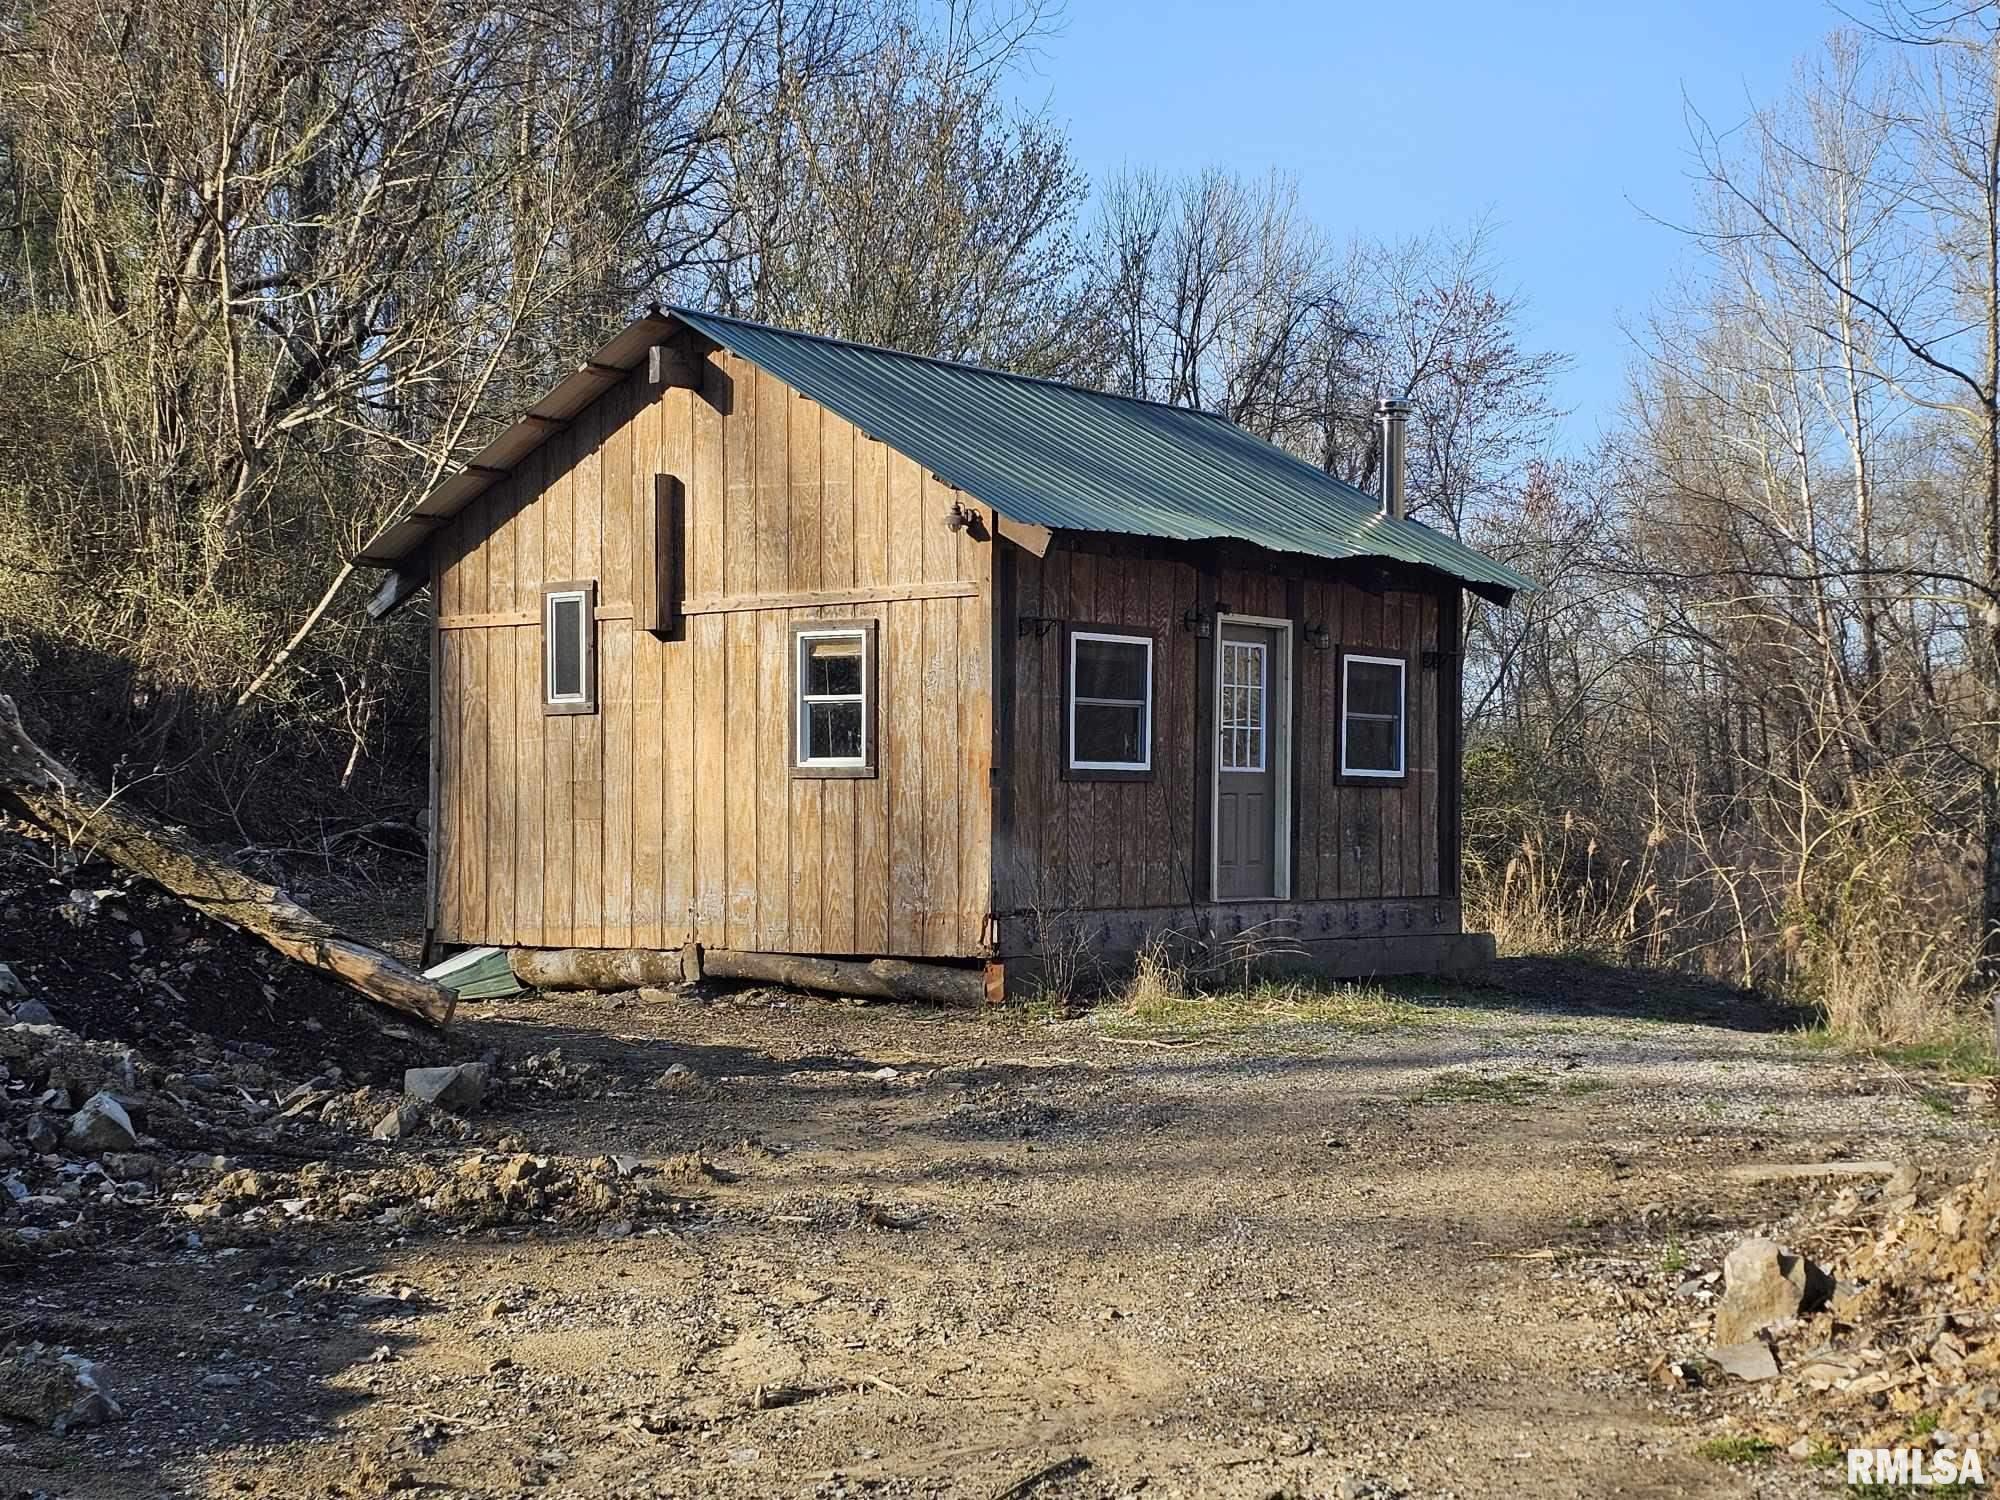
(1242, 725)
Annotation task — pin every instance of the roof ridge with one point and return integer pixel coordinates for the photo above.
(950, 364)
(1038, 449)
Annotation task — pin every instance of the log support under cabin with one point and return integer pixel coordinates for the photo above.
(628, 968)
(992, 981)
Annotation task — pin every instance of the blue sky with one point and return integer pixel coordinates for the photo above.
(1562, 122)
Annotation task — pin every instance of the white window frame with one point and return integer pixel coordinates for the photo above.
(584, 699)
(1402, 716)
(801, 757)
(1145, 761)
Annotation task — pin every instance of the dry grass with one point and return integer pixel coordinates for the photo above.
(1162, 1001)
(1160, 978)
(1190, 990)
(1842, 934)
(1557, 896)
(1876, 996)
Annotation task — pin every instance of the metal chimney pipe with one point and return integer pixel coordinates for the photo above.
(1393, 412)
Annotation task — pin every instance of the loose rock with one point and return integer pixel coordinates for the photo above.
(398, 1122)
(460, 1088)
(131, 1166)
(53, 1388)
(1749, 1360)
(101, 1125)
(1762, 1285)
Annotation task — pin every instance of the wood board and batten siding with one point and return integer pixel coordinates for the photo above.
(671, 813)
(1124, 857)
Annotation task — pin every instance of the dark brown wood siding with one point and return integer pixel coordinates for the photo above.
(671, 813)
(1067, 845)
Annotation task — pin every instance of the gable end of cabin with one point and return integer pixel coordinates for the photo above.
(653, 639)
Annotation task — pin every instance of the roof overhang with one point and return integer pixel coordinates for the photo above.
(397, 545)
(403, 546)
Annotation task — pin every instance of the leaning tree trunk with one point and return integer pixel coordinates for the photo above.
(45, 792)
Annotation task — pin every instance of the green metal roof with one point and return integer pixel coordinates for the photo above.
(1074, 459)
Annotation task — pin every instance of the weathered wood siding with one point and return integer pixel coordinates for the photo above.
(671, 812)
(1064, 845)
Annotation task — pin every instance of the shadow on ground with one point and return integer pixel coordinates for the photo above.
(1572, 987)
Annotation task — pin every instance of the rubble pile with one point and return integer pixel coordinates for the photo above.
(100, 1141)
(478, 1189)
(555, 1076)
(1894, 1341)
(53, 1388)
(163, 1075)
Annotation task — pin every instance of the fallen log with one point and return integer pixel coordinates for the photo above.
(594, 968)
(628, 968)
(41, 790)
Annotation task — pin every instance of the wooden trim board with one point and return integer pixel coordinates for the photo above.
(502, 617)
(722, 604)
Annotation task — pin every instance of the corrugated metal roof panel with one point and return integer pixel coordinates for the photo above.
(1074, 459)
(1039, 451)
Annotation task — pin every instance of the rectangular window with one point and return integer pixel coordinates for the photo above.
(1243, 688)
(1110, 708)
(1371, 716)
(569, 648)
(833, 698)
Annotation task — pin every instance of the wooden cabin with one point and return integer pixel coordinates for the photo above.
(748, 642)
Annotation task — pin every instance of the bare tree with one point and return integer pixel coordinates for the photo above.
(1451, 341)
(279, 265)
(903, 201)
(1875, 203)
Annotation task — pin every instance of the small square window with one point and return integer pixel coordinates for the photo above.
(1110, 703)
(1371, 716)
(833, 719)
(569, 648)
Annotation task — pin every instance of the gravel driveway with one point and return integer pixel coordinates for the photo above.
(1353, 1249)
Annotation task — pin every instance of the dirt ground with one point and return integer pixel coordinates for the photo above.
(1356, 1250)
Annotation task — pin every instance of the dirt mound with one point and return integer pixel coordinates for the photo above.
(114, 958)
(162, 1075)
(104, 1142)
